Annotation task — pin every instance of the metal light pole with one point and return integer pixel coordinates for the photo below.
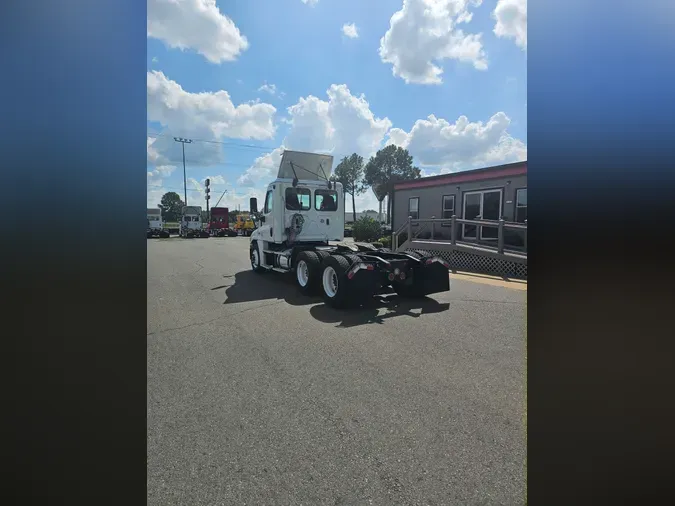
(207, 190)
(183, 142)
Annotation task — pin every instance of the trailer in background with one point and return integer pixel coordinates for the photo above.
(220, 223)
(155, 224)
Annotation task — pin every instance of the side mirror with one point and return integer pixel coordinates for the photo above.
(262, 219)
(253, 204)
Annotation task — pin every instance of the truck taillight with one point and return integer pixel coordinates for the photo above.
(357, 267)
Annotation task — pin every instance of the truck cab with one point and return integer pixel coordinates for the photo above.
(301, 205)
(155, 223)
(220, 222)
(191, 222)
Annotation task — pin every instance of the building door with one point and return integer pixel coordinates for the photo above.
(472, 205)
(482, 205)
(491, 211)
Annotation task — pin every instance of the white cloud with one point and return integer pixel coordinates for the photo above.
(269, 88)
(154, 59)
(205, 115)
(240, 199)
(155, 183)
(154, 196)
(197, 25)
(153, 154)
(424, 33)
(349, 29)
(342, 125)
(311, 3)
(511, 17)
(218, 180)
(462, 144)
(263, 170)
(156, 176)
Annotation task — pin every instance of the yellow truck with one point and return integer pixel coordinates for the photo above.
(244, 224)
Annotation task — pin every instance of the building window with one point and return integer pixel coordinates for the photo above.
(325, 200)
(521, 205)
(298, 199)
(268, 202)
(414, 208)
(448, 206)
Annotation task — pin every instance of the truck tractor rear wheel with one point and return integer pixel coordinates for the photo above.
(334, 281)
(307, 271)
(322, 255)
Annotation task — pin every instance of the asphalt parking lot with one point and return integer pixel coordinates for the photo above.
(257, 395)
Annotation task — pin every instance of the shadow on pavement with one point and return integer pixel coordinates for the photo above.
(249, 286)
(371, 312)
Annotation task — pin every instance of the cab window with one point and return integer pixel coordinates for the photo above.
(268, 202)
(325, 200)
(298, 199)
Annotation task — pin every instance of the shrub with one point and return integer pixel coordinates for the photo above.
(385, 241)
(366, 229)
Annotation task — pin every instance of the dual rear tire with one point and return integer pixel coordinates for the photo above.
(318, 271)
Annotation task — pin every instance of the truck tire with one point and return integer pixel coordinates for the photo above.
(307, 271)
(334, 282)
(322, 255)
(255, 259)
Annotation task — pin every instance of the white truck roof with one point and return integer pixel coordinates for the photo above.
(308, 166)
(192, 209)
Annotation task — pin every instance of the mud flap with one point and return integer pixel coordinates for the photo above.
(435, 278)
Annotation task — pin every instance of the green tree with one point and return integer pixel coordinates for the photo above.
(349, 172)
(171, 206)
(390, 165)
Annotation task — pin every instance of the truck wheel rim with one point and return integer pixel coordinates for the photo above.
(254, 259)
(330, 282)
(302, 273)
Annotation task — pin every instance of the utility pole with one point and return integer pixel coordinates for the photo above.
(207, 190)
(183, 142)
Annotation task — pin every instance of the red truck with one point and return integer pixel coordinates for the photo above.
(220, 223)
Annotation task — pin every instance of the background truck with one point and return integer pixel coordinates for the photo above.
(244, 224)
(155, 224)
(303, 212)
(219, 226)
(191, 222)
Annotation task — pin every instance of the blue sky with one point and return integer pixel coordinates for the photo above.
(299, 50)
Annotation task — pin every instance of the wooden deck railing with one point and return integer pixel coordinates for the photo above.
(500, 225)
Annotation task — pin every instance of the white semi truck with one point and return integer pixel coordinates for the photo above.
(156, 224)
(303, 212)
(191, 223)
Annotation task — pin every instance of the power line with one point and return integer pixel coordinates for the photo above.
(223, 143)
(191, 190)
(336, 156)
